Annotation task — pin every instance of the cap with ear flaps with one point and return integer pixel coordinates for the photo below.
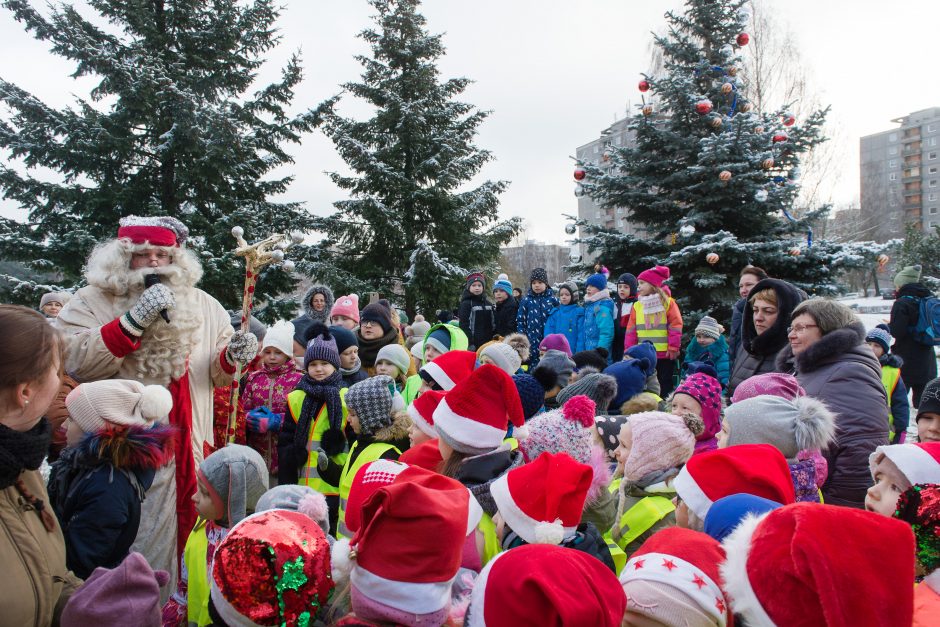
(117, 402)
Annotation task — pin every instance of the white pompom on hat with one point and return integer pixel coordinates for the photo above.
(117, 402)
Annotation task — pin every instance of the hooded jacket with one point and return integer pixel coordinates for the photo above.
(533, 312)
(758, 353)
(599, 322)
(622, 309)
(477, 318)
(568, 320)
(920, 360)
(96, 489)
(310, 315)
(841, 371)
(506, 312)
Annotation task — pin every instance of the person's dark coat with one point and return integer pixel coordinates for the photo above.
(757, 354)
(477, 318)
(506, 316)
(920, 361)
(737, 322)
(96, 489)
(841, 371)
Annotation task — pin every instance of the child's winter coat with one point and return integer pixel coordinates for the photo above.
(477, 318)
(506, 313)
(269, 387)
(567, 320)
(663, 329)
(533, 312)
(598, 328)
(96, 489)
(899, 414)
(716, 354)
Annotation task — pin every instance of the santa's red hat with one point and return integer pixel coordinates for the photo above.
(758, 469)
(540, 584)
(422, 411)
(153, 230)
(919, 463)
(672, 561)
(811, 564)
(426, 455)
(474, 416)
(542, 501)
(407, 552)
(451, 368)
(385, 472)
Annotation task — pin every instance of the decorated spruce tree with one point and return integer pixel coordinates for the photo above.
(410, 228)
(710, 182)
(174, 125)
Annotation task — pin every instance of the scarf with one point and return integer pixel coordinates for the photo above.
(652, 304)
(319, 393)
(351, 371)
(22, 450)
(276, 371)
(596, 296)
(369, 349)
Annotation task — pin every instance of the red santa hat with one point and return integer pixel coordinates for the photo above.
(426, 455)
(422, 411)
(758, 469)
(153, 230)
(811, 564)
(540, 584)
(474, 416)
(674, 576)
(408, 550)
(542, 501)
(919, 463)
(451, 368)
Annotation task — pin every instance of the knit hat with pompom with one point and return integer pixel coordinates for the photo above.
(660, 441)
(117, 402)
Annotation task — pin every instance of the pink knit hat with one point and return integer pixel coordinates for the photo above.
(556, 341)
(660, 441)
(346, 306)
(109, 596)
(706, 390)
(655, 276)
(769, 384)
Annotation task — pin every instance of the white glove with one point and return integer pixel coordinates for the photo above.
(147, 309)
(242, 347)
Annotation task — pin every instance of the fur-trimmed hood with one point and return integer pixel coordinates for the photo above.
(775, 338)
(397, 430)
(891, 360)
(308, 309)
(127, 448)
(829, 348)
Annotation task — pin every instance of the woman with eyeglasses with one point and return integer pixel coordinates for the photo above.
(828, 354)
(764, 329)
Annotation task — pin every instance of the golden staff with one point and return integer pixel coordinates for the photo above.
(257, 256)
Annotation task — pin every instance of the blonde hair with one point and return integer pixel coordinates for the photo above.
(642, 402)
(767, 295)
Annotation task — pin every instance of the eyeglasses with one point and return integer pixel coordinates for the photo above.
(799, 328)
(370, 323)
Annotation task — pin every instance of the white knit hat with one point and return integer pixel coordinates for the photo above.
(121, 402)
(281, 337)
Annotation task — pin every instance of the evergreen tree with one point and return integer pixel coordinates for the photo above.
(407, 229)
(710, 181)
(170, 128)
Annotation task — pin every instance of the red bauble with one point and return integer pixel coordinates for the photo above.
(644, 86)
(703, 107)
(712, 258)
(726, 88)
(768, 163)
(788, 120)
(743, 39)
(579, 174)
(780, 137)
(725, 176)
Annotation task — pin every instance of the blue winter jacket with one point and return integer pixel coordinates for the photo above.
(598, 329)
(567, 320)
(533, 312)
(716, 354)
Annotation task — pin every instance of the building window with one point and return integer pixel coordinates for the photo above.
(932, 196)
(893, 176)
(893, 202)
(932, 183)
(933, 210)
(932, 128)
(931, 141)
(893, 150)
(892, 164)
(932, 169)
(597, 149)
(931, 155)
(931, 224)
(893, 137)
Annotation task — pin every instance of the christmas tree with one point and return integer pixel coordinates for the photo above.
(170, 128)
(409, 230)
(710, 182)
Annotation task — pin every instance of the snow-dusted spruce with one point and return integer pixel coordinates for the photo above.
(710, 180)
(408, 223)
(170, 128)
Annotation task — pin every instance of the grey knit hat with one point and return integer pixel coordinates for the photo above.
(54, 297)
(560, 363)
(600, 388)
(239, 477)
(397, 355)
(789, 426)
(371, 399)
(909, 274)
(504, 357)
(709, 327)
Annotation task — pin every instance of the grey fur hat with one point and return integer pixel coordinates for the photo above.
(789, 426)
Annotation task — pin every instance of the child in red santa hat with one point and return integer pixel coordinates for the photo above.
(897, 467)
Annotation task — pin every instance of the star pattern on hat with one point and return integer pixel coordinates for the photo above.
(698, 581)
(638, 564)
(720, 604)
(669, 565)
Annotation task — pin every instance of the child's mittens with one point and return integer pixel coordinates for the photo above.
(263, 420)
(323, 460)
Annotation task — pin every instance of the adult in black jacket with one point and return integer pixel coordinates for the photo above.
(477, 314)
(506, 306)
(920, 361)
(749, 277)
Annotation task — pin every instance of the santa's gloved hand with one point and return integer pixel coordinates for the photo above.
(155, 299)
(263, 420)
(242, 347)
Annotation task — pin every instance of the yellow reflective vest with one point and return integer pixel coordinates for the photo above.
(657, 331)
(369, 454)
(310, 474)
(889, 378)
(197, 591)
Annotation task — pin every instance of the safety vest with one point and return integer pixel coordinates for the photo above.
(197, 566)
(889, 378)
(657, 331)
(369, 454)
(636, 521)
(491, 546)
(412, 385)
(310, 474)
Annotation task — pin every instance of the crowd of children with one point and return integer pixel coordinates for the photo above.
(532, 462)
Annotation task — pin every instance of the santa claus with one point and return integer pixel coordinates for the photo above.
(169, 333)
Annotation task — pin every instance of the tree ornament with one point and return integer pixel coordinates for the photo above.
(647, 110)
(704, 106)
(726, 88)
(767, 163)
(746, 107)
(759, 129)
(570, 229)
(687, 230)
(883, 261)
(733, 71)
(715, 121)
(712, 258)
(743, 39)
(796, 251)
(789, 119)
(578, 190)
(644, 86)
(296, 237)
(288, 265)
(726, 51)
(780, 136)
(579, 174)
(725, 176)
(606, 156)
(761, 195)
(744, 14)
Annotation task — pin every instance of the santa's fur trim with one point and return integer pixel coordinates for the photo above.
(744, 601)
(341, 561)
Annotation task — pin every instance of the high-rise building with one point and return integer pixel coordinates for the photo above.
(596, 153)
(900, 175)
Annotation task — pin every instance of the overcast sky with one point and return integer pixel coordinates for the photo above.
(556, 73)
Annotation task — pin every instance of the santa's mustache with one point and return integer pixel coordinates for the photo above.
(172, 276)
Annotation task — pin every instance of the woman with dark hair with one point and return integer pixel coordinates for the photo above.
(763, 329)
(828, 354)
(749, 277)
(32, 549)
